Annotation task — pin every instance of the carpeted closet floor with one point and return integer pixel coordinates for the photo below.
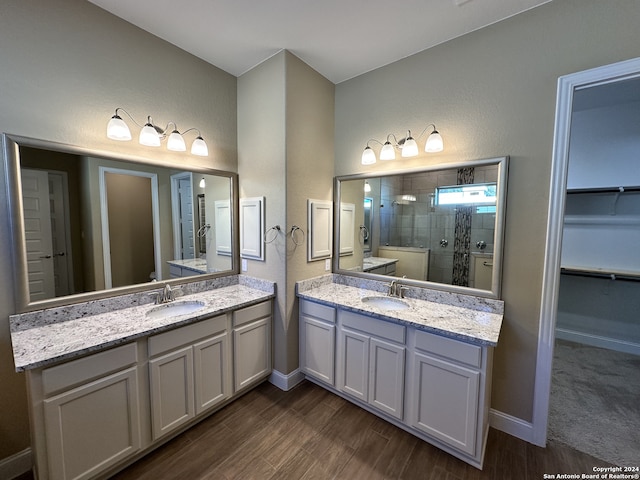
(595, 402)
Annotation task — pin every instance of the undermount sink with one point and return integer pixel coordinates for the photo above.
(386, 303)
(175, 309)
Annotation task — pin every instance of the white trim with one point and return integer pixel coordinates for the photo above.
(512, 425)
(551, 273)
(16, 465)
(104, 215)
(288, 381)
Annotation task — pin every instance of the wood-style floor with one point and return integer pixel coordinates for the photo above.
(309, 433)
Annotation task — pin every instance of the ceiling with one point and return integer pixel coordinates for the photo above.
(340, 39)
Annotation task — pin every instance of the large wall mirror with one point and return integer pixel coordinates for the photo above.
(440, 227)
(87, 223)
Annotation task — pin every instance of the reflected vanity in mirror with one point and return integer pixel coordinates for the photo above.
(85, 222)
(440, 227)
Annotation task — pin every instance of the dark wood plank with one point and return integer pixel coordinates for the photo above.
(310, 434)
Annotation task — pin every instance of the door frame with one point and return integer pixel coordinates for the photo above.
(175, 212)
(104, 217)
(567, 85)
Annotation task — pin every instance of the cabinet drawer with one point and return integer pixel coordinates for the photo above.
(323, 312)
(88, 368)
(448, 348)
(251, 313)
(373, 326)
(172, 339)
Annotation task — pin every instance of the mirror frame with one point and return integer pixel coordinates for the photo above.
(501, 203)
(11, 153)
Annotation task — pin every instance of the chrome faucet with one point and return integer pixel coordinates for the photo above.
(165, 295)
(396, 289)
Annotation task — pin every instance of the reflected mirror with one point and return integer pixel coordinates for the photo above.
(440, 226)
(86, 222)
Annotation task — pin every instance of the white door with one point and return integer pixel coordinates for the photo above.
(446, 402)
(354, 366)
(172, 401)
(386, 377)
(37, 222)
(186, 218)
(317, 352)
(60, 233)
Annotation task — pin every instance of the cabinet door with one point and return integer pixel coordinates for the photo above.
(446, 402)
(354, 365)
(252, 352)
(210, 369)
(318, 349)
(386, 377)
(172, 402)
(92, 427)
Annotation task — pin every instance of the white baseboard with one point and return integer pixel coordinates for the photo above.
(16, 465)
(512, 425)
(286, 382)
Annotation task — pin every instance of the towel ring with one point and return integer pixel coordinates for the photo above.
(275, 228)
(292, 233)
(202, 231)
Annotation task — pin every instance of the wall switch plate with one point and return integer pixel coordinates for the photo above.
(327, 265)
(244, 264)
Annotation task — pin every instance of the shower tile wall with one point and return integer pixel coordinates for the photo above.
(421, 224)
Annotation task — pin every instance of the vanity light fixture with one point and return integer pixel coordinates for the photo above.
(408, 146)
(152, 135)
(367, 187)
(202, 183)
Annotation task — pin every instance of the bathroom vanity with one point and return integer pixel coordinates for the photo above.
(422, 363)
(109, 384)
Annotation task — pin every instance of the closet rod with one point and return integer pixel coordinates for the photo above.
(607, 275)
(604, 190)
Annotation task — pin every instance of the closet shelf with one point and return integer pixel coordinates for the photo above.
(628, 220)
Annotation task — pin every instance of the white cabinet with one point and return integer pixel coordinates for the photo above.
(435, 387)
(447, 394)
(188, 372)
(91, 414)
(446, 401)
(318, 341)
(251, 344)
(371, 361)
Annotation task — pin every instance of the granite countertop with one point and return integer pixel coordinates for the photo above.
(370, 263)
(39, 341)
(196, 264)
(477, 323)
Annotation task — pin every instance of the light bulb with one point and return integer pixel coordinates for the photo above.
(176, 142)
(202, 183)
(199, 147)
(387, 152)
(368, 156)
(367, 187)
(149, 136)
(410, 147)
(434, 143)
(117, 129)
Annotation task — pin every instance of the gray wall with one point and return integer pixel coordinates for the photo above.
(66, 66)
(285, 153)
(493, 93)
